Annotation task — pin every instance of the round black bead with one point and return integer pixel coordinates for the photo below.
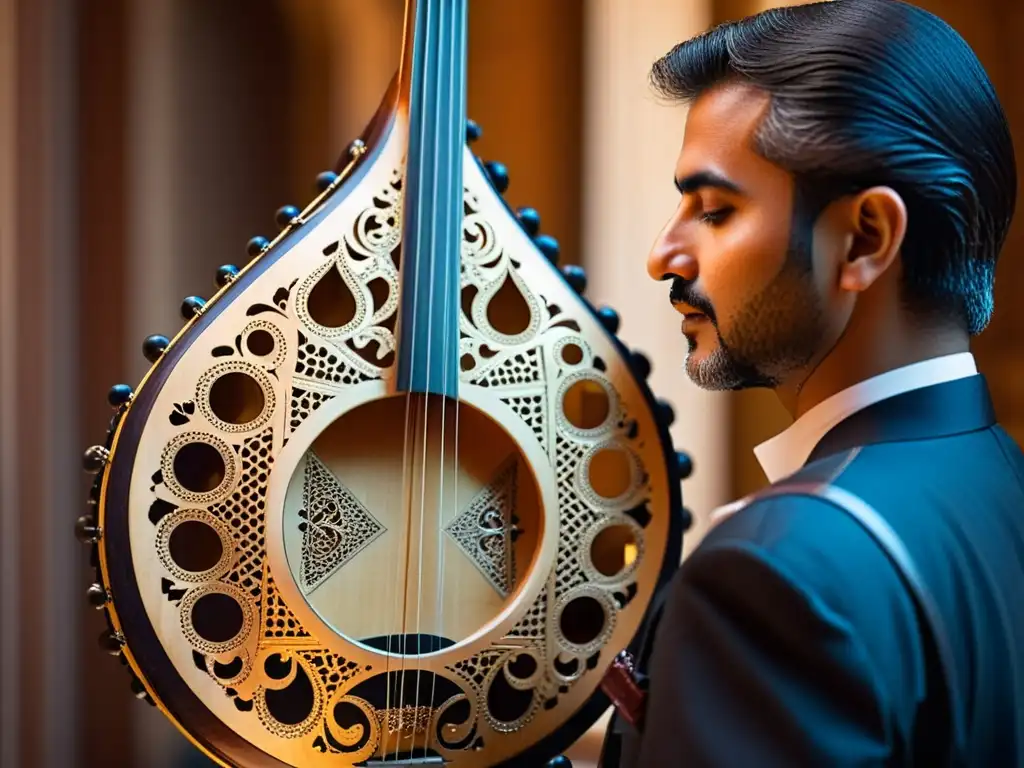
(225, 274)
(192, 306)
(609, 319)
(498, 174)
(687, 518)
(119, 395)
(324, 180)
(559, 762)
(95, 458)
(110, 642)
(529, 219)
(285, 214)
(154, 346)
(473, 131)
(256, 245)
(666, 413)
(86, 530)
(138, 689)
(96, 595)
(684, 464)
(641, 364)
(576, 276)
(547, 245)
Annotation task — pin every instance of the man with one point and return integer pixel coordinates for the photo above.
(846, 184)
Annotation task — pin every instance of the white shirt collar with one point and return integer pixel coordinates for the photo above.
(788, 451)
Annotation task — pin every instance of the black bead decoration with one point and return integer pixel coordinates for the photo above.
(95, 458)
(473, 131)
(547, 245)
(285, 214)
(110, 642)
(256, 245)
(96, 595)
(119, 394)
(225, 274)
(498, 174)
(324, 180)
(666, 413)
(687, 518)
(86, 530)
(684, 464)
(641, 364)
(154, 346)
(529, 219)
(576, 276)
(192, 306)
(138, 689)
(559, 762)
(609, 319)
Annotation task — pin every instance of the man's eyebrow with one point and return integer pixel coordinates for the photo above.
(693, 182)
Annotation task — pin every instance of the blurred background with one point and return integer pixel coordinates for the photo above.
(143, 142)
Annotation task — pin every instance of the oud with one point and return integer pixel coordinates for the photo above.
(396, 495)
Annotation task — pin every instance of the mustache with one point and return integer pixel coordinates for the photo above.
(683, 292)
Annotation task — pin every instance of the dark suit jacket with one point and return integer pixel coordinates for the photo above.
(787, 637)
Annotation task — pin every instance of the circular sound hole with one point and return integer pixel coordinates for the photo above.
(613, 550)
(586, 405)
(199, 467)
(236, 398)
(217, 617)
(582, 620)
(195, 546)
(610, 474)
(260, 343)
(572, 354)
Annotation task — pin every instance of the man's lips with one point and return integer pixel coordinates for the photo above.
(691, 320)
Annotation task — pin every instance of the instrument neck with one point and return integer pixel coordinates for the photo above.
(428, 328)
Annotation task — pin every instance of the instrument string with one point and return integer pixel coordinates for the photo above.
(408, 445)
(453, 232)
(432, 250)
(431, 20)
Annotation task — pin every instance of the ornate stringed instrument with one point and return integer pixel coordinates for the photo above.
(395, 495)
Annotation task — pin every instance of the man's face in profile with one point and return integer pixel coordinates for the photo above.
(750, 292)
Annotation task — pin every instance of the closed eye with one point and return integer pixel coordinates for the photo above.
(716, 216)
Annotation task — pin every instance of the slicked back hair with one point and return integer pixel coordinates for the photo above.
(877, 92)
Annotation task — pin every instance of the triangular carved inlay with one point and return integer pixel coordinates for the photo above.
(485, 530)
(337, 525)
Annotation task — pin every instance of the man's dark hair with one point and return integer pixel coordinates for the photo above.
(877, 92)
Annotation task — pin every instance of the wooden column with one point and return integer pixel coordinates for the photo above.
(40, 474)
(631, 143)
(10, 562)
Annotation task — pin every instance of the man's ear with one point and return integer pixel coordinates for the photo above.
(877, 225)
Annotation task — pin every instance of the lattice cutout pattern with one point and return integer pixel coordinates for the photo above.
(333, 669)
(304, 402)
(244, 514)
(530, 409)
(575, 515)
(279, 623)
(337, 525)
(319, 362)
(533, 623)
(521, 368)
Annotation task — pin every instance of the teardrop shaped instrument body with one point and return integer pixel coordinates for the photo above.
(394, 494)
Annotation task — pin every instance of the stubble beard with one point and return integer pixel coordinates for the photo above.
(778, 332)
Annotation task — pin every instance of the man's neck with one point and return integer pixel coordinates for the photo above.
(847, 365)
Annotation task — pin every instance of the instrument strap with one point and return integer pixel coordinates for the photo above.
(943, 688)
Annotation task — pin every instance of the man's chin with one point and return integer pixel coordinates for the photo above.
(714, 372)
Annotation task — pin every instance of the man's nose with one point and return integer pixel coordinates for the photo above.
(671, 256)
